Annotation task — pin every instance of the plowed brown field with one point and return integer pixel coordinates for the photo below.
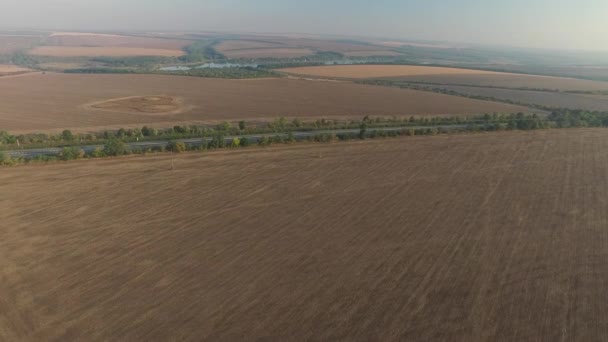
(59, 101)
(489, 237)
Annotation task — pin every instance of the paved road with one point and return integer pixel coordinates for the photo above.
(29, 153)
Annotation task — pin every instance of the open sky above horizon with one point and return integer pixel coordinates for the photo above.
(558, 24)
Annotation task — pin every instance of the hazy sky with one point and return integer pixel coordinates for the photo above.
(566, 24)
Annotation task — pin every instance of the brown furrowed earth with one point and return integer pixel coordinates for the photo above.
(59, 101)
(487, 237)
(95, 51)
(450, 76)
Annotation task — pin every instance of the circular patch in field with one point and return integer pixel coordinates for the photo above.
(153, 104)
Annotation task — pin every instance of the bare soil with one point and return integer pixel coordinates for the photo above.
(74, 39)
(378, 71)
(94, 51)
(268, 52)
(488, 237)
(14, 43)
(55, 101)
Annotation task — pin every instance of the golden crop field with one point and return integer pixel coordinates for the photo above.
(8, 69)
(477, 237)
(60, 101)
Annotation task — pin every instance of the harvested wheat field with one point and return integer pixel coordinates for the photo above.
(60, 101)
(98, 51)
(447, 238)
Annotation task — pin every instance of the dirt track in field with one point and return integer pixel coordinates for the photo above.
(58, 101)
(489, 237)
(157, 104)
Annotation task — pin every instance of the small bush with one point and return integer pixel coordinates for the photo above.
(115, 147)
(71, 153)
(176, 146)
(236, 143)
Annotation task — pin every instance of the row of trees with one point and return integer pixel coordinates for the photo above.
(560, 118)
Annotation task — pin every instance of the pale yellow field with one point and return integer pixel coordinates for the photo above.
(77, 51)
(7, 68)
(374, 71)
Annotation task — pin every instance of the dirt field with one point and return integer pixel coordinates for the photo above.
(141, 104)
(510, 81)
(13, 43)
(270, 53)
(94, 51)
(572, 101)
(105, 40)
(230, 45)
(58, 101)
(268, 46)
(488, 237)
(379, 71)
(450, 76)
(371, 53)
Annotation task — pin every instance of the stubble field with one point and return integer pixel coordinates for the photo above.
(60, 101)
(488, 237)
